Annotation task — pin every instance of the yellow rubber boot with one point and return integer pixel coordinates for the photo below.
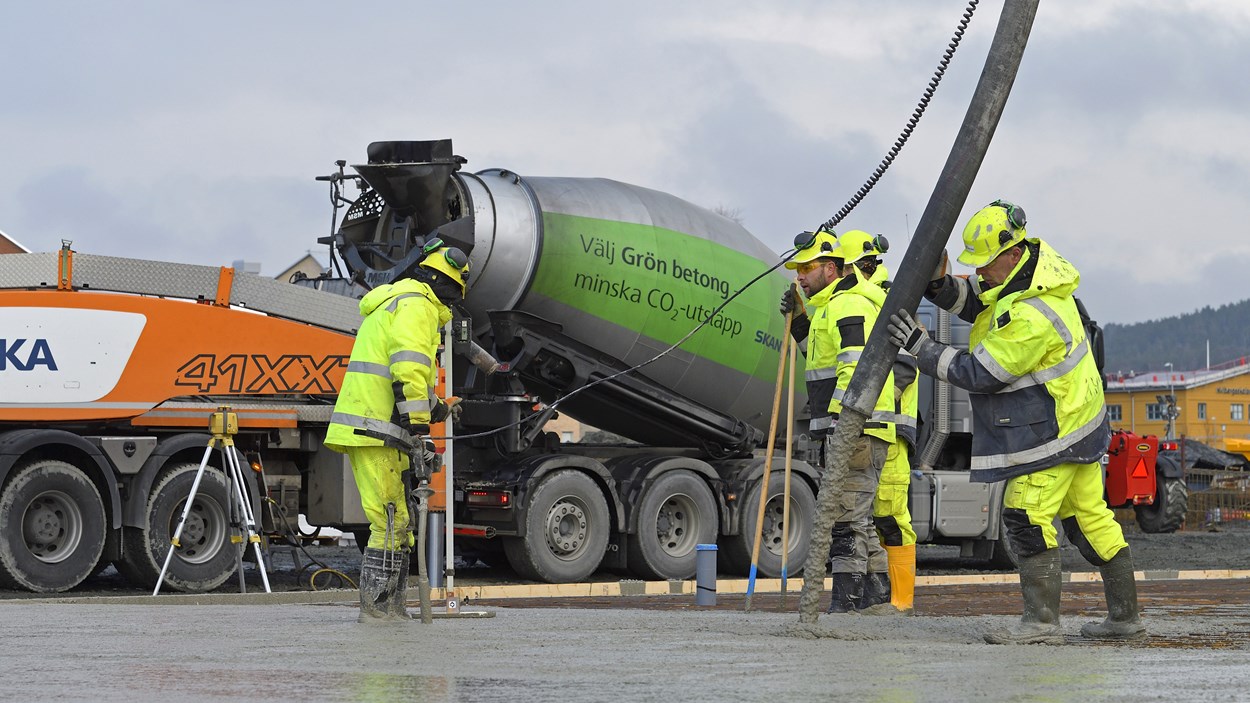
(902, 576)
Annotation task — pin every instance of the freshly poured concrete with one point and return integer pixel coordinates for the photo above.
(308, 652)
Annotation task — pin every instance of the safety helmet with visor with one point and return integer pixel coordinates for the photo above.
(991, 231)
(451, 261)
(858, 244)
(812, 246)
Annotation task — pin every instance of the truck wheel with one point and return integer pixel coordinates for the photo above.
(205, 557)
(566, 530)
(735, 550)
(52, 525)
(677, 512)
(1171, 502)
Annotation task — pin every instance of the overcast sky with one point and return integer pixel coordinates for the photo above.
(191, 132)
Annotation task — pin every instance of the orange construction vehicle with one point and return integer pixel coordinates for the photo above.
(109, 370)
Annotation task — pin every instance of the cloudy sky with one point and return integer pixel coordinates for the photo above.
(191, 132)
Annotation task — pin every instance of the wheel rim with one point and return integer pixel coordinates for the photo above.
(772, 525)
(567, 528)
(677, 525)
(52, 526)
(204, 532)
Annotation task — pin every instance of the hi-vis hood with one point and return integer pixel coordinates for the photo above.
(382, 295)
(858, 285)
(1042, 271)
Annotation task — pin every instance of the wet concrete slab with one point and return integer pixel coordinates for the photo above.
(314, 652)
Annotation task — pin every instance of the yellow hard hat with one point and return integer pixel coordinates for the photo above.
(856, 244)
(448, 260)
(995, 227)
(812, 246)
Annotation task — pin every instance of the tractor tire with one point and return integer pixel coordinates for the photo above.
(1167, 513)
(1001, 555)
(566, 530)
(52, 527)
(735, 550)
(206, 557)
(677, 513)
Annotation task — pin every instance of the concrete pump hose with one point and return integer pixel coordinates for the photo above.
(938, 220)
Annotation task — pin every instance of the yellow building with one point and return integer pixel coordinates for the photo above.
(1212, 404)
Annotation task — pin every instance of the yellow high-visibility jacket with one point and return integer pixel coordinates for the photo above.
(1037, 398)
(392, 366)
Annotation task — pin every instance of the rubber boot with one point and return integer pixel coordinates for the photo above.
(378, 581)
(1041, 577)
(1120, 587)
(397, 607)
(902, 577)
(848, 589)
(876, 599)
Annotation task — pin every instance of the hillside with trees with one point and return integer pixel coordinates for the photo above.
(1181, 340)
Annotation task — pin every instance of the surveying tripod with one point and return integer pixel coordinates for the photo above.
(223, 425)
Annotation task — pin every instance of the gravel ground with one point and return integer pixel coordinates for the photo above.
(1225, 549)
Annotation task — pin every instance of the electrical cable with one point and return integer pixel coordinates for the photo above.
(828, 225)
(911, 124)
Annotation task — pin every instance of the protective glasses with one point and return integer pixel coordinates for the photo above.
(809, 266)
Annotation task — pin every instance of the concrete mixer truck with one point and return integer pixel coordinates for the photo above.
(110, 370)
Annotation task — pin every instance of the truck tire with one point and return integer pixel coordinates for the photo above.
(677, 513)
(206, 557)
(566, 530)
(735, 550)
(1171, 503)
(52, 525)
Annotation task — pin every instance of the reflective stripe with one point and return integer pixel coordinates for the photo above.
(944, 362)
(821, 374)
(369, 368)
(823, 422)
(837, 394)
(369, 423)
(394, 304)
(961, 297)
(1037, 378)
(1049, 449)
(1061, 327)
(991, 364)
(898, 419)
(415, 406)
(414, 357)
(848, 357)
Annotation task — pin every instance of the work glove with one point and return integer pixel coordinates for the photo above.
(439, 412)
(429, 456)
(939, 272)
(790, 302)
(907, 333)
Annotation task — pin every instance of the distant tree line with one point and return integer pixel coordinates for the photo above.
(1182, 340)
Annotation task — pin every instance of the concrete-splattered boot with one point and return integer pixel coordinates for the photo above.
(848, 589)
(1120, 587)
(398, 609)
(877, 596)
(378, 580)
(1041, 577)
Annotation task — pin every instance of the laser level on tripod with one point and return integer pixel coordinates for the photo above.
(223, 425)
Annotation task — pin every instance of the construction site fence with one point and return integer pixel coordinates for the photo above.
(1218, 499)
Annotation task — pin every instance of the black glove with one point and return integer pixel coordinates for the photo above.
(439, 411)
(907, 333)
(789, 301)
